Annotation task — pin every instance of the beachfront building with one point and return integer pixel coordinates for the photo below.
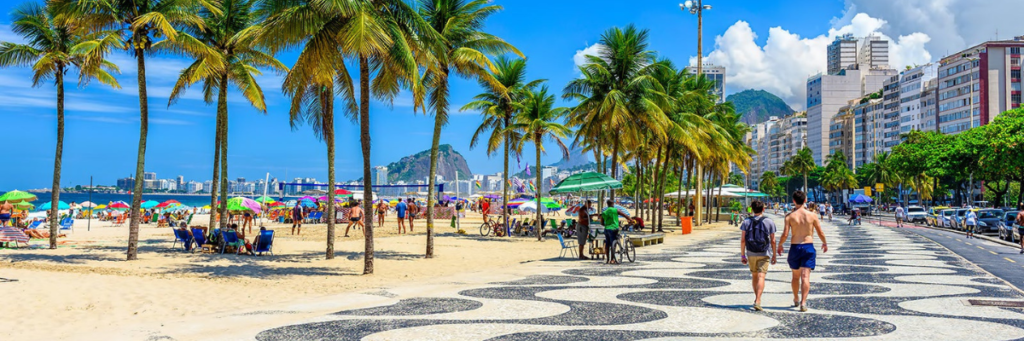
(840, 133)
(842, 53)
(888, 129)
(380, 175)
(979, 83)
(917, 98)
(868, 113)
(826, 94)
(715, 74)
(775, 141)
(149, 176)
(126, 184)
(193, 187)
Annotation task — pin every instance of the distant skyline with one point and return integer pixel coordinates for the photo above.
(761, 43)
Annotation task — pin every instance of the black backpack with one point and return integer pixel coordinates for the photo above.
(757, 236)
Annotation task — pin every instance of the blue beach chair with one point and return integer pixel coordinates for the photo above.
(265, 243)
(566, 245)
(67, 224)
(183, 237)
(230, 238)
(198, 239)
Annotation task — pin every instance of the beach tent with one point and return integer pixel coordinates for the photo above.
(586, 181)
(150, 204)
(60, 205)
(17, 196)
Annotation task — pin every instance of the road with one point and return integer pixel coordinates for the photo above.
(874, 283)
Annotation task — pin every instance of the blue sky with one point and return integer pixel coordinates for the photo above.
(102, 132)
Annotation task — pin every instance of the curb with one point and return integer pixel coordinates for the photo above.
(979, 236)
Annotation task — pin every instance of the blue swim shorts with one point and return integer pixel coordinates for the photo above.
(801, 256)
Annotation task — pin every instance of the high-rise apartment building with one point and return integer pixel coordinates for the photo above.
(842, 53)
(776, 141)
(826, 94)
(888, 130)
(126, 184)
(873, 53)
(149, 176)
(380, 175)
(840, 134)
(917, 98)
(979, 83)
(715, 74)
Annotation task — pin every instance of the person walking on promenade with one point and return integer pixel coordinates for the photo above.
(970, 223)
(610, 220)
(583, 227)
(757, 242)
(401, 209)
(899, 215)
(1020, 226)
(297, 217)
(802, 224)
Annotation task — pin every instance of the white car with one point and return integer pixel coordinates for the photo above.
(916, 214)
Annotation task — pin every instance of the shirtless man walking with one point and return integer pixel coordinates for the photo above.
(803, 224)
(5, 212)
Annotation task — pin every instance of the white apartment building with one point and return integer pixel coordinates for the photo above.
(775, 141)
(888, 129)
(715, 74)
(826, 94)
(915, 97)
(842, 53)
(979, 83)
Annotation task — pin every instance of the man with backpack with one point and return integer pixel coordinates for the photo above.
(757, 243)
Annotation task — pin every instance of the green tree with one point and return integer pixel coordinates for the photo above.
(142, 22)
(54, 47)
(538, 121)
(837, 175)
(801, 164)
(462, 50)
(498, 106)
(226, 39)
(768, 183)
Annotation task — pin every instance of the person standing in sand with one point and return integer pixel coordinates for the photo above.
(400, 210)
(803, 224)
(355, 216)
(382, 211)
(297, 217)
(485, 206)
(413, 211)
(5, 212)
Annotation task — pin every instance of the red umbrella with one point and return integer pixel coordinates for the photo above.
(168, 203)
(118, 204)
(341, 192)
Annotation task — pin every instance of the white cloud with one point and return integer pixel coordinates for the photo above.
(580, 58)
(782, 65)
(8, 36)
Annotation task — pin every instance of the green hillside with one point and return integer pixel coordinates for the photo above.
(757, 105)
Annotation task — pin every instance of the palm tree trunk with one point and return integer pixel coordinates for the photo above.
(216, 171)
(140, 164)
(698, 192)
(805, 183)
(504, 174)
(637, 196)
(718, 213)
(661, 191)
(679, 196)
(540, 217)
(364, 136)
(440, 114)
(55, 191)
(220, 155)
(327, 115)
(224, 157)
(615, 164)
(599, 160)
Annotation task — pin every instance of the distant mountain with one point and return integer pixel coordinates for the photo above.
(417, 166)
(576, 158)
(757, 105)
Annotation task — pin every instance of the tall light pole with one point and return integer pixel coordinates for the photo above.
(697, 7)
(971, 60)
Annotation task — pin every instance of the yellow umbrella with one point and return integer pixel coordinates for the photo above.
(100, 207)
(206, 207)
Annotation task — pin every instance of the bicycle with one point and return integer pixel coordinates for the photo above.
(623, 247)
(492, 227)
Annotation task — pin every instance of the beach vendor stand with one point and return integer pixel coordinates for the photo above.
(584, 183)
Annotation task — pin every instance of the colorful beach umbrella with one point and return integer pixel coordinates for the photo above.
(60, 205)
(17, 196)
(168, 203)
(244, 204)
(88, 204)
(584, 182)
(150, 204)
(12, 234)
(119, 205)
(265, 200)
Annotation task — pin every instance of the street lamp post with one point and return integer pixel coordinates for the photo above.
(697, 7)
(970, 98)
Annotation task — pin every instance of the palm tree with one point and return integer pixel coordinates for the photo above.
(462, 50)
(838, 175)
(882, 172)
(53, 48)
(497, 108)
(538, 121)
(225, 40)
(801, 164)
(143, 22)
(614, 92)
(768, 183)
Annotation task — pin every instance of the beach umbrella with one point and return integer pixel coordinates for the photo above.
(244, 204)
(60, 205)
(860, 199)
(265, 200)
(586, 181)
(17, 196)
(150, 204)
(119, 205)
(12, 234)
(168, 203)
(100, 207)
(276, 204)
(88, 204)
(307, 198)
(206, 207)
(24, 206)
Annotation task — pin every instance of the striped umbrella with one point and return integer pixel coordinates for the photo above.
(11, 234)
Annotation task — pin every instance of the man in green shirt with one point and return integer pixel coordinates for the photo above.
(610, 220)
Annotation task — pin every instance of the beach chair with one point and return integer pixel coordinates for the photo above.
(183, 237)
(230, 238)
(67, 224)
(35, 224)
(199, 239)
(508, 229)
(569, 245)
(264, 244)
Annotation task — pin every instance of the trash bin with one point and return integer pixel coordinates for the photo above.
(687, 226)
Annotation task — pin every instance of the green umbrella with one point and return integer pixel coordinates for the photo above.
(587, 181)
(24, 206)
(17, 196)
(265, 200)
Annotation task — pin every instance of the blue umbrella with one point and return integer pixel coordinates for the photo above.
(860, 199)
(150, 204)
(60, 206)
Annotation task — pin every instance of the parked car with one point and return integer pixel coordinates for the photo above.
(946, 218)
(933, 217)
(958, 219)
(916, 214)
(989, 221)
(1007, 226)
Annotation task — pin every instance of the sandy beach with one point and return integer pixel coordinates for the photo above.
(86, 285)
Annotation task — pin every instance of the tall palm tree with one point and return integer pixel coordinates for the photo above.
(225, 39)
(768, 182)
(538, 121)
(614, 92)
(882, 172)
(497, 108)
(54, 47)
(838, 175)
(802, 164)
(462, 50)
(143, 22)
